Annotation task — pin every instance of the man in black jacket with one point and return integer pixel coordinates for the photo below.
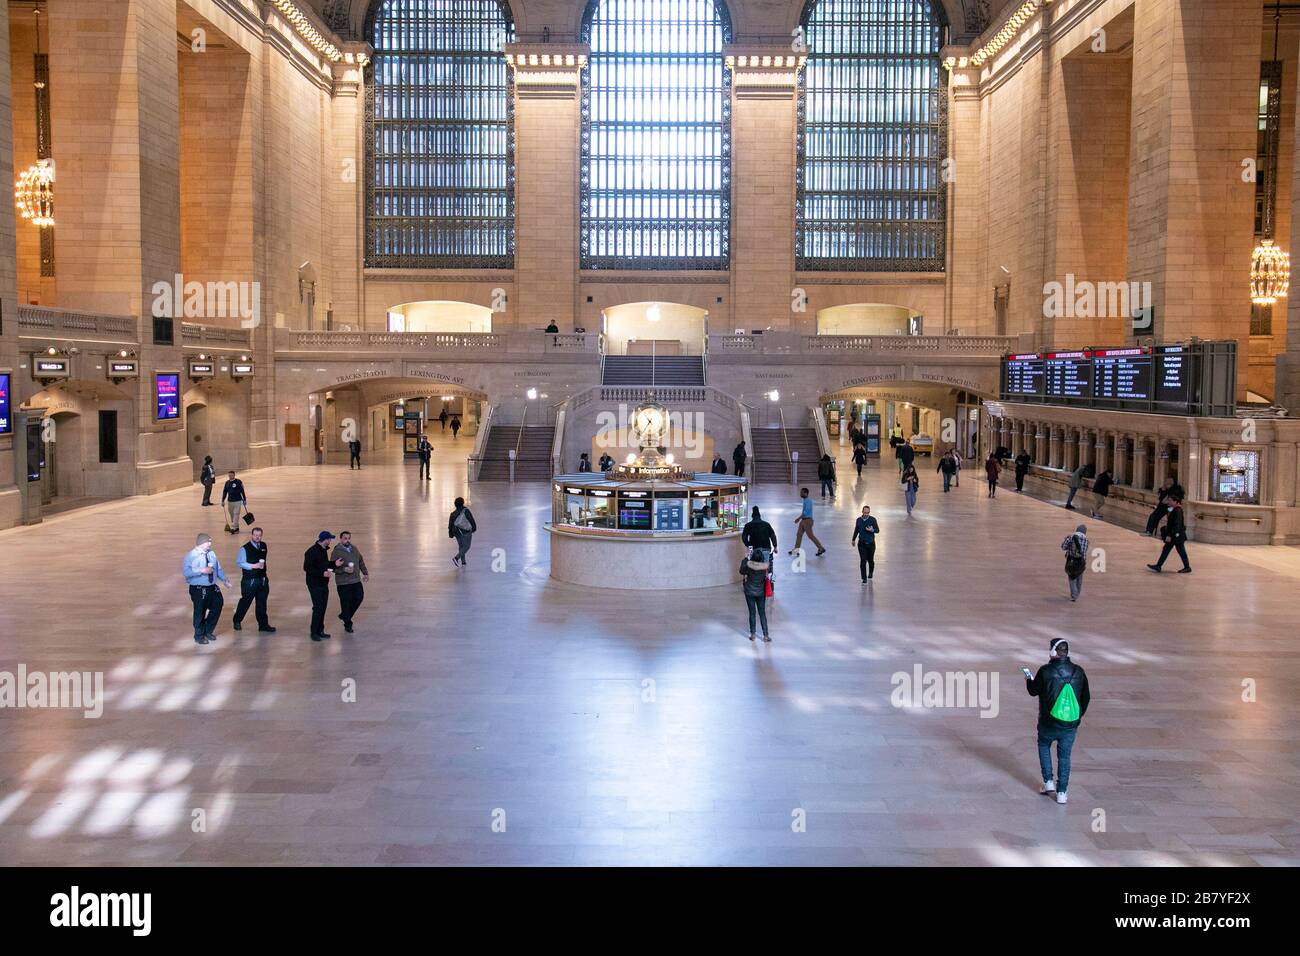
(318, 570)
(1061, 687)
(1174, 534)
(425, 452)
(354, 454)
(207, 478)
(719, 466)
(757, 533)
(1023, 461)
(739, 455)
(234, 499)
(1168, 491)
(461, 526)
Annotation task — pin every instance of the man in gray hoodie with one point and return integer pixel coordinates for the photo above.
(349, 573)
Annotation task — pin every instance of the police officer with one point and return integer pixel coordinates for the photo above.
(254, 586)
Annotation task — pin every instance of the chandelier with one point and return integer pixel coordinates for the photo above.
(34, 193)
(1270, 273)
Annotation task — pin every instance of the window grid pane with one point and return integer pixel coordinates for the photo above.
(656, 136)
(440, 180)
(873, 137)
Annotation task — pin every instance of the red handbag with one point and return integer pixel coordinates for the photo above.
(769, 589)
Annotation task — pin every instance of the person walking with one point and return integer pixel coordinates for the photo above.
(740, 455)
(958, 461)
(1075, 547)
(354, 452)
(906, 454)
(865, 530)
(719, 466)
(203, 574)
(1061, 687)
(911, 483)
(318, 570)
(425, 452)
(896, 443)
(1023, 461)
(1174, 535)
(1076, 479)
(947, 467)
(350, 573)
(461, 526)
(254, 585)
(754, 569)
(234, 498)
(826, 475)
(804, 522)
(455, 425)
(757, 533)
(207, 478)
(992, 469)
(1168, 490)
(442, 418)
(1101, 491)
(859, 456)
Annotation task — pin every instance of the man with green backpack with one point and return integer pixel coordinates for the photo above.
(1061, 687)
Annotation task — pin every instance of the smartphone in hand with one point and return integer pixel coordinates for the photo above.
(1027, 672)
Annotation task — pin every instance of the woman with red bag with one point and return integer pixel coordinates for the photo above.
(755, 571)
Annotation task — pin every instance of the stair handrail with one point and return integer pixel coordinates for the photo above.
(704, 359)
(823, 433)
(600, 345)
(653, 355)
(785, 440)
(480, 442)
(519, 442)
(557, 440)
(747, 436)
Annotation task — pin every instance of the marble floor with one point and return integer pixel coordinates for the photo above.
(503, 718)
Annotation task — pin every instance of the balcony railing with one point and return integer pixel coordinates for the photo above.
(75, 324)
(194, 334)
(457, 342)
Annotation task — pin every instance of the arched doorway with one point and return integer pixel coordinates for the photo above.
(439, 315)
(869, 318)
(655, 328)
(196, 430)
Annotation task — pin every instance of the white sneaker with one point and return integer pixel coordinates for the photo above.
(1061, 797)
(1049, 787)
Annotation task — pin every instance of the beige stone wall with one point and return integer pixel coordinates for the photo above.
(10, 496)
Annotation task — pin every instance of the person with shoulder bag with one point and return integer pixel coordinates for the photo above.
(755, 573)
(207, 478)
(461, 527)
(1075, 547)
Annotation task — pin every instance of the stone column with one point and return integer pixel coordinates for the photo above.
(1190, 215)
(1161, 464)
(343, 184)
(1040, 445)
(1120, 469)
(764, 79)
(114, 93)
(10, 495)
(547, 130)
(1101, 460)
(1140, 464)
(1054, 438)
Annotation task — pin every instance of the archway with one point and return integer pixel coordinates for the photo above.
(868, 318)
(199, 440)
(439, 315)
(933, 417)
(655, 328)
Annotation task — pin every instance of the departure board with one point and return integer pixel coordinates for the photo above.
(1023, 374)
(1069, 375)
(1122, 375)
(1187, 378)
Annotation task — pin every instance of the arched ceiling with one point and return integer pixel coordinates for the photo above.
(752, 18)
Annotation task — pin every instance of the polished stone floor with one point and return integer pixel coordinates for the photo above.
(503, 718)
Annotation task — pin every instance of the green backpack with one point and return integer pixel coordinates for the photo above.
(1066, 708)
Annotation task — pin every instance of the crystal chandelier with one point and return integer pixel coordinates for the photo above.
(34, 193)
(1270, 273)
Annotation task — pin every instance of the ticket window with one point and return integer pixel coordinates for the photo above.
(670, 514)
(1234, 477)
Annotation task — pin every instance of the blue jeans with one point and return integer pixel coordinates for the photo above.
(947, 481)
(910, 495)
(828, 487)
(1064, 738)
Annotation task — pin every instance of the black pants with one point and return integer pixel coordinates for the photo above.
(1154, 518)
(253, 590)
(207, 492)
(867, 559)
(740, 467)
(1170, 546)
(424, 468)
(1020, 479)
(355, 459)
(350, 597)
(320, 597)
(759, 604)
(208, 602)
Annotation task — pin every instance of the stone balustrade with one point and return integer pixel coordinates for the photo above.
(194, 334)
(815, 345)
(74, 324)
(461, 343)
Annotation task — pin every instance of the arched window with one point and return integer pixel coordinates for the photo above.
(873, 135)
(439, 135)
(656, 135)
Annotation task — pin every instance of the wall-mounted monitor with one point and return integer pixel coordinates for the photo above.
(6, 410)
(167, 395)
(45, 367)
(202, 368)
(123, 368)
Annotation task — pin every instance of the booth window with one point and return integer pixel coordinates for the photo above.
(439, 135)
(872, 137)
(1234, 476)
(655, 149)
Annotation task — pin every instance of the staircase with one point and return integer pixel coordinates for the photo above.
(534, 461)
(653, 370)
(771, 462)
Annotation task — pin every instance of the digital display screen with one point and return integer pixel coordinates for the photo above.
(1023, 375)
(242, 369)
(167, 392)
(1173, 375)
(1123, 375)
(200, 368)
(634, 515)
(6, 419)
(51, 367)
(1068, 375)
(122, 368)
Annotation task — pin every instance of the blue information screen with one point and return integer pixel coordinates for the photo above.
(168, 392)
(6, 420)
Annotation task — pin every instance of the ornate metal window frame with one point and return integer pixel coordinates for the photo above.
(460, 232)
(903, 244)
(715, 232)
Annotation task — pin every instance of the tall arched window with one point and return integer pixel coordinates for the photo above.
(440, 180)
(656, 135)
(873, 136)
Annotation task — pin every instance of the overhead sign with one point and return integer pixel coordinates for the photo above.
(123, 368)
(202, 369)
(241, 369)
(45, 367)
